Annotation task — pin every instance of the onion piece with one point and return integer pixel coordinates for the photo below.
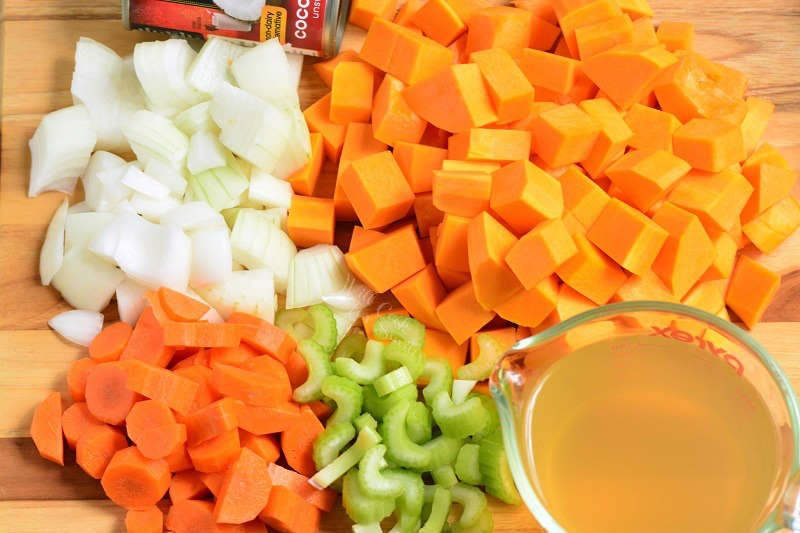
(153, 208)
(205, 152)
(83, 228)
(196, 118)
(86, 281)
(193, 215)
(316, 272)
(52, 253)
(102, 181)
(248, 291)
(264, 71)
(60, 150)
(242, 9)
(155, 137)
(354, 297)
(211, 66)
(161, 67)
(212, 258)
(77, 326)
(257, 243)
(131, 301)
(168, 175)
(140, 182)
(221, 187)
(80, 207)
(269, 190)
(344, 322)
(295, 68)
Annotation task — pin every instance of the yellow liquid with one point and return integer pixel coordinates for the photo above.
(662, 437)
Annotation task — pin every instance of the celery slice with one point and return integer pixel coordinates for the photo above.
(440, 510)
(352, 345)
(439, 374)
(444, 476)
(493, 425)
(367, 528)
(347, 395)
(409, 504)
(459, 421)
(330, 442)
(316, 323)
(388, 383)
(489, 352)
(462, 388)
(361, 507)
(296, 322)
(400, 448)
(484, 524)
(495, 471)
(319, 367)
(443, 450)
(405, 354)
(367, 438)
(371, 366)
(324, 326)
(370, 478)
(419, 423)
(466, 466)
(365, 420)
(473, 502)
(399, 327)
(378, 407)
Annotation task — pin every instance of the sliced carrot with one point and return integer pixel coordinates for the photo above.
(133, 481)
(187, 485)
(191, 516)
(147, 520)
(46, 429)
(321, 409)
(152, 427)
(202, 376)
(203, 334)
(199, 358)
(181, 307)
(76, 378)
(214, 455)
(109, 344)
(160, 384)
(250, 387)
(244, 490)
(267, 339)
(147, 341)
(107, 396)
(261, 420)
(267, 366)
(179, 460)
(212, 420)
(287, 512)
(265, 446)
(75, 421)
(296, 369)
(323, 499)
(153, 298)
(213, 481)
(231, 355)
(297, 442)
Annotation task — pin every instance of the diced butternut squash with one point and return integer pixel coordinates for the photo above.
(717, 199)
(439, 21)
(581, 14)
(426, 213)
(538, 253)
(591, 272)
(771, 183)
(644, 33)
(645, 176)
(304, 181)
(351, 92)
(648, 286)
(549, 71)
(612, 140)
(450, 251)
(531, 307)
(626, 73)
(461, 193)
(636, 8)
(627, 236)
(392, 119)
(311, 221)
(417, 162)
(604, 35)
(523, 195)
(488, 243)
(384, 263)
(317, 117)
(709, 144)
(439, 344)
(755, 121)
(583, 198)
(461, 313)
(562, 49)
(532, 114)
(364, 12)
(499, 27)
(769, 229)
(724, 256)
(688, 251)
(509, 89)
(377, 190)
(676, 35)
(406, 13)
(542, 9)
(362, 237)
(490, 144)
(766, 153)
(652, 128)
(470, 166)
(570, 303)
(544, 34)
(565, 135)
(707, 295)
(452, 279)
(358, 142)
(324, 69)
(751, 289)
(420, 294)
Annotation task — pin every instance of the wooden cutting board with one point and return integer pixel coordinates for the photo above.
(759, 37)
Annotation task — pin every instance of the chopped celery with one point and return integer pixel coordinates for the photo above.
(365, 420)
(405, 354)
(484, 524)
(444, 476)
(399, 327)
(489, 352)
(461, 388)
(367, 528)
(493, 425)
(473, 503)
(443, 450)
(324, 326)
(409, 504)
(371, 367)
(378, 407)
(316, 323)
(388, 383)
(495, 471)
(352, 345)
(220, 187)
(330, 442)
(367, 438)
(400, 448)
(370, 478)
(440, 510)
(319, 367)
(466, 465)
(296, 322)
(439, 374)
(419, 423)
(348, 398)
(360, 507)
(461, 420)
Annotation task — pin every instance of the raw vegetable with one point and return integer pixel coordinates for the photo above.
(211, 65)
(319, 367)
(154, 137)
(77, 326)
(161, 67)
(257, 243)
(52, 254)
(330, 442)
(205, 152)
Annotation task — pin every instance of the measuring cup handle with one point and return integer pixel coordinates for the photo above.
(788, 513)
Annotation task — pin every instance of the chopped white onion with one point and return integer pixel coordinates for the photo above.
(221, 187)
(153, 208)
(80, 207)
(52, 253)
(140, 182)
(264, 71)
(60, 150)
(170, 176)
(257, 243)
(77, 326)
(354, 297)
(242, 9)
(161, 67)
(344, 322)
(205, 152)
(269, 190)
(87, 281)
(131, 301)
(295, 68)
(102, 181)
(193, 215)
(155, 137)
(212, 259)
(83, 228)
(461, 389)
(196, 118)
(248, 291)
(211, 66)
(314, 273)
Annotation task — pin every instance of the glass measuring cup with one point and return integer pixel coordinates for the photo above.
(631, 331)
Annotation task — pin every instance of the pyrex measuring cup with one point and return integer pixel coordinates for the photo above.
(627, 330)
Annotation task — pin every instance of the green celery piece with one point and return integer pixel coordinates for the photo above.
(484, 524)
(361, 507)
(459, 421)
(489, 352)
(352, 345)
(440, 510)
(319, 367)
(439, 374)
(370, 478)
(296, 322)
(390, 382)
(408, 506)
(466, 466)
(405, 354)
(370, 368)
(444, 476)
(316, 323)
(367, 528)
(378, 407)
(365, 420)
(401, 327)
(324, 326)
(473, 503)
(495, 470)
(443, 449)
(367, 438)
(330, 442)
(493, 425)
(419, 423)
(400, 449)
(346, 394)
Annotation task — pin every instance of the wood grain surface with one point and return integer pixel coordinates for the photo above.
(760, 37)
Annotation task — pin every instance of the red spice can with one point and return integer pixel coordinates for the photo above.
(311, 27)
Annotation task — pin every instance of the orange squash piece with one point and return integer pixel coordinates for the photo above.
(652, 128)
(570, 303)
(612, 140)
(645, 176)
(755, 121)
(439, 21)
(439, 344)
(351, 92)
(583, 198)
(490, 144)
(707, 295)
(377, 190)
(488, 243)
(648, 286)
(524, 195)
(324, 69)
(724, 256)
(591, 272)
(549, 71)
(470, 166)
(383, 264)
(418, 162)
(420, 294)
(450, 251)
(581, 14)
(452, 279)
(538, 253)
(461, 193)
(676, 35)
(769, 229)
(406, 12)
(358, 142)
(311, 221)
(461, 313)
(751, 289)
(717, 199)
(644, 33)
(604, 35)
(771, 182)
(364, 12)
(509, 89)
(636, 9)
(426, 213)
(499, 27)
(565, 135)
(392, 120)
(317, 117)
(709, 144)
(532, 306)
(544, 34)
(304, 181)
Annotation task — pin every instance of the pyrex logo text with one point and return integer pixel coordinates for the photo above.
(705, 344)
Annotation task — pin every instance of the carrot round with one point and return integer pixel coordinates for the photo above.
(187, 485)
(147, 341)
(181, 307)
(109, 344)
(323, 499)
(107, 397)
(96, 447)
(46, 429)
(191, 516)
(133, 481)
(203, 334)
(265, 446)
(297, 369)
(251, 387)
(297, 442)
(213, 481)
(202, 376)
(287, 512)
(261, 420)
(179, 460)
(214, 455)
(211, 421)
(152, 427)
(267, 366)
(266, 338)
(147, 520)
(76, 378)
(244, 490)
(232, 355)
(200, 358)
(321, 409)
(75, 421)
